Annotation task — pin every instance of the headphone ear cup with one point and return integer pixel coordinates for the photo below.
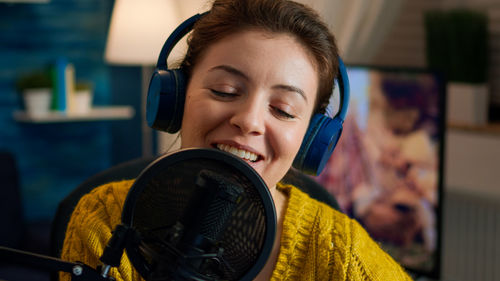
(165, 101)
(319, 141)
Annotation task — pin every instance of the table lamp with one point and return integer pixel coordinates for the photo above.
(136, 34)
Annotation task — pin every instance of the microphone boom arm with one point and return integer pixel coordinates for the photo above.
(78, 271)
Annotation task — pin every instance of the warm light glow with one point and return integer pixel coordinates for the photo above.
(138, 30)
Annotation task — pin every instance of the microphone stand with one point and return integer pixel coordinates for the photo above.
(79, 271)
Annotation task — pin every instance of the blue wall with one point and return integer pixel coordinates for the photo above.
(54, 158)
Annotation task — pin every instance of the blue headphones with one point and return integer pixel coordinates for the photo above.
(167, 93)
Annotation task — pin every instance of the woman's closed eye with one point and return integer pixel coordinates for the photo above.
(278, 111)
(282, 114)
(223, 95)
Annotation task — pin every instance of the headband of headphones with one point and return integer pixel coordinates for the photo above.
(166, 97)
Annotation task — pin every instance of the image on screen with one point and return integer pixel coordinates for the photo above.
(386, 169)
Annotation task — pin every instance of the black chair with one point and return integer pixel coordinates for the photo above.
(132, 169)
(311, 187)
(127, 170)
(15, 232)
(13, 229)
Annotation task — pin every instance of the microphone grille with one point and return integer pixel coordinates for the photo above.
(220, 210)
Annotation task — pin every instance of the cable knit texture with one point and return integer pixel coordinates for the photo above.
(317, 243)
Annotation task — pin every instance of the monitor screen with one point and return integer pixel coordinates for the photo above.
(386, 171)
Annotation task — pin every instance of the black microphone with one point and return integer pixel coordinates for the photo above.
(199, 214)
(199, 256)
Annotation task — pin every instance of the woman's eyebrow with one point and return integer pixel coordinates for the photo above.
(291, 88)
(230, 69)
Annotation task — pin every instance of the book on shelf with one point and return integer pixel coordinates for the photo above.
(63, 74)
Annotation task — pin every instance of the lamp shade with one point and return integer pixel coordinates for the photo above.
(138, 30)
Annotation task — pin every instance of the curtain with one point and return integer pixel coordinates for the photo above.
(360, 26)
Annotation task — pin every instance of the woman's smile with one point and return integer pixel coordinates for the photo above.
(242, 153)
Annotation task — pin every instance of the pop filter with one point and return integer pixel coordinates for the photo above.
(199, 214)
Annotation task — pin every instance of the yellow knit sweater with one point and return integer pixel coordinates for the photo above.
(317, 243)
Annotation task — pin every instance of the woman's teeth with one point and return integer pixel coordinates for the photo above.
(247, 155)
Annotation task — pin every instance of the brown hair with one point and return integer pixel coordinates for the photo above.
(227, 17)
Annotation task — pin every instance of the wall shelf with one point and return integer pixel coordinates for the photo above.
(490, 128)
(95, 114)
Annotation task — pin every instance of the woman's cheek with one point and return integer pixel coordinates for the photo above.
(291, 140)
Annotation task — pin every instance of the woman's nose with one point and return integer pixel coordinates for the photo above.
(249, 117)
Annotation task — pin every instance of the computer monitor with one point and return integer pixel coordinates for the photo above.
(387, 169)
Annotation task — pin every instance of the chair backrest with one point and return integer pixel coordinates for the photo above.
(127, 170)
(132, 169)
(12, 228)
(311, 187)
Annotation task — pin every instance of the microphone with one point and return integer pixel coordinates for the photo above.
(199, 255)
(199, 214)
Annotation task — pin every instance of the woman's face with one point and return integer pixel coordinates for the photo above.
(252, 94)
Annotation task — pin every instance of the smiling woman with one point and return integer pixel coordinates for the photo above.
(257, 72)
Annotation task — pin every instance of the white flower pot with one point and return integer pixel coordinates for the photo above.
(37, 101)
(467, 104)
(81, 102)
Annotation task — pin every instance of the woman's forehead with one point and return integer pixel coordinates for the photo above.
(257, 48)
(262, 36)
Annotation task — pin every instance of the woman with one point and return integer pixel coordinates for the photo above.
(258, 70)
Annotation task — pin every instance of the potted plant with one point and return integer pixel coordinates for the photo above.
(36, 90)
(457, 46)
(81, 100)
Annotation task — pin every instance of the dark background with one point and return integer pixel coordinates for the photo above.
(50, 160)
